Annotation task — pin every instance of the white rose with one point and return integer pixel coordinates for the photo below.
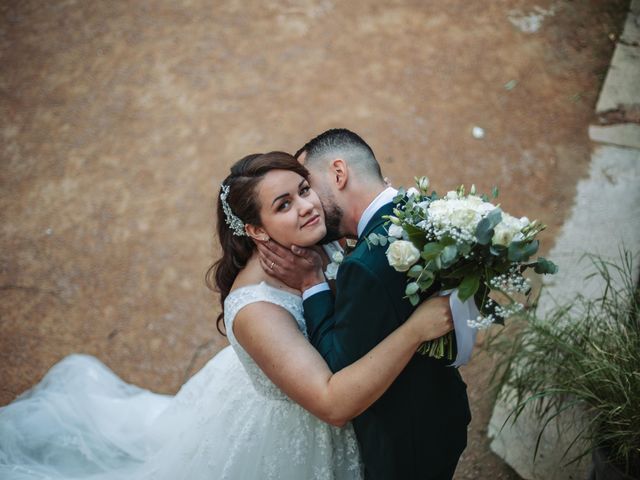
(332, 271)
(396, 231)
(412, 192)
(506, 230)
(402, 254)
(464, 218)
(452, 195)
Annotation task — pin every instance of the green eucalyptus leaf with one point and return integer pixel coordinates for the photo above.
(426, 281)
(411, 289)
(521, 251)
(469, 286)
(464, 249)
(415, 271)
(414, 299)
(484, 230)
(444, 241)
(431, 251)
(543, 266)
(448, 255)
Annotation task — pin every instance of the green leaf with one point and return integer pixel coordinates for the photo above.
(469, 286)
(383, 240)
(444, 241)
(521, 251)
(545, 266)
(426, 281)
(415, 271)
(431, 251)
(497, 250)
(373, 239)
(414, 299)
(412, 289)
(448, 255)
(462, 271)
(464, 249)
(484, 230)
(416, 235)
(495, 191)
(434, 265)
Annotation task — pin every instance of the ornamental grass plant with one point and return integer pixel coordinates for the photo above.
(583, 355)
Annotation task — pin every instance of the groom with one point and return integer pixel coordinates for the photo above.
(418, 428)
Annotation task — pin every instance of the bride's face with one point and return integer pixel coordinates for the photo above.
(290, 211)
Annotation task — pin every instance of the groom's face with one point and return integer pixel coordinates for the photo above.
(319, 182)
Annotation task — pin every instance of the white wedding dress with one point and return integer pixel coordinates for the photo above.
(227, 422)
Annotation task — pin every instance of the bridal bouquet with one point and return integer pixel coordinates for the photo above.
(462, 241)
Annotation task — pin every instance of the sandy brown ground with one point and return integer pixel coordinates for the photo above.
(119, 120)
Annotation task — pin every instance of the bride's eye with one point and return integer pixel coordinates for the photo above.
(304, 191)
(283, 205)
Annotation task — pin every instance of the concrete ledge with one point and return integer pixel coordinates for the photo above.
(621, 85)
(624, 135)
(606, 215)
(631, 33)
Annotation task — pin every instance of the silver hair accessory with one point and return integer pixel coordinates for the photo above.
(234, 222)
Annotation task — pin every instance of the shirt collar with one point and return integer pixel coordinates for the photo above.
(384, 197)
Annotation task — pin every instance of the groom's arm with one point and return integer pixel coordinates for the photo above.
(346, 327)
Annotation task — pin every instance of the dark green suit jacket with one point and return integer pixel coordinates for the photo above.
(418, 428)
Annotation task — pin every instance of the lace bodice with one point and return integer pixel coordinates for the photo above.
(261, 292)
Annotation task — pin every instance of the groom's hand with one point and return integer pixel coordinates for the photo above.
(299, 268)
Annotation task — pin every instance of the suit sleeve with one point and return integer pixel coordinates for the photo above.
(345, 327)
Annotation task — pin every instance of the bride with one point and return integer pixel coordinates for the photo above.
(265, 407)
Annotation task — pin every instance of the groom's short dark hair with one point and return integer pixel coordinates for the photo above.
(342, 142)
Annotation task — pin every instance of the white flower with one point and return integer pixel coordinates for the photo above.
(396, 231)
(337, 257)
(505, 232)
(423, 184)
(457, 216)
(465, 218)
(402, 255)
(451, 195)
(412, 192)
(332, 271)
(424, 205)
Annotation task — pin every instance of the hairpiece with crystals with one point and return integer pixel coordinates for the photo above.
(234, 222)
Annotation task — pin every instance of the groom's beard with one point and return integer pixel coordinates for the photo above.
(332, 219)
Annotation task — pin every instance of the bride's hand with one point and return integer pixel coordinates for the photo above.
(299, 268)
(432, 319)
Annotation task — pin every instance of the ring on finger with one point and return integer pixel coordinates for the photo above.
(272, 264)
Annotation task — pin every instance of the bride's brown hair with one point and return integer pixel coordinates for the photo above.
(245, 176)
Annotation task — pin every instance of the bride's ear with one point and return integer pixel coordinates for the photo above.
(257, 233)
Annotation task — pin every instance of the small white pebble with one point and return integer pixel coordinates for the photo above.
(477, 132)
(48, 231)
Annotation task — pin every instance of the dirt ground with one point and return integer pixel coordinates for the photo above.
(119, 120)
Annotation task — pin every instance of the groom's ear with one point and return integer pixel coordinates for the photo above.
(340, 173)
